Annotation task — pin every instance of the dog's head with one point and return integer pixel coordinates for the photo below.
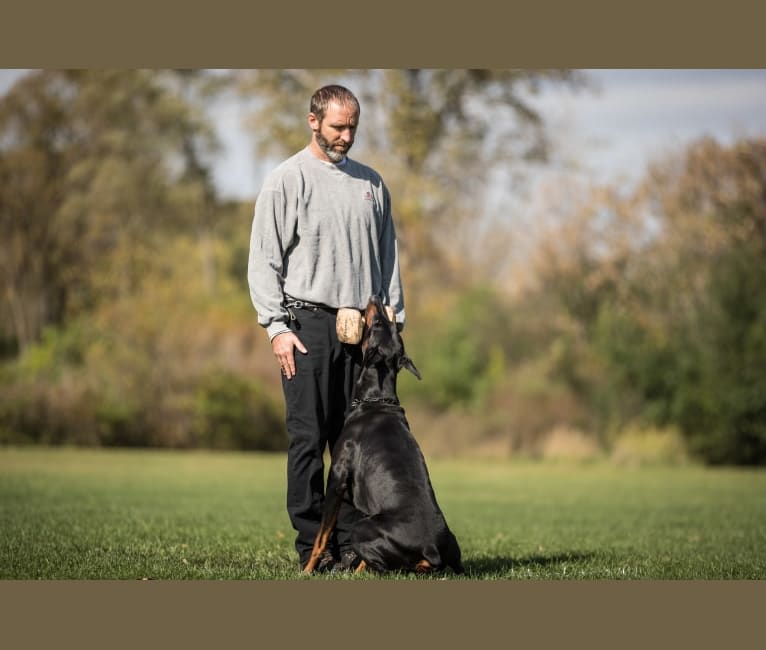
(382, 344)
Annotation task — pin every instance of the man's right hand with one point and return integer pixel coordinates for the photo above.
(283, 346)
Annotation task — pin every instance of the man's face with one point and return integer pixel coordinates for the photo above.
(334, 134)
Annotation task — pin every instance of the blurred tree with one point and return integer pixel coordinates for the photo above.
(463, 352)
(707, 275)
(95, 166)
(655, 299)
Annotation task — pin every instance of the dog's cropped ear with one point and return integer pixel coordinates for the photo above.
(406, 362)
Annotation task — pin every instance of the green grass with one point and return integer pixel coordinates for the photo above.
(98, 514)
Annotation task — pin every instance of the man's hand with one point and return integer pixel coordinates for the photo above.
(283, 346)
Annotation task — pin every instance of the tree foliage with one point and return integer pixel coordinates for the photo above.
(119, 299)
(94, 172)
(608, 311)
(660, 297)
(711, 258)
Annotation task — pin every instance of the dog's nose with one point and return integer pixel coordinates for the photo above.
(376, 302)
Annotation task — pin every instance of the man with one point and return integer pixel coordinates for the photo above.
(322, 239)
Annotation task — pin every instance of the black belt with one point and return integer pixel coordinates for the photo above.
(291, 302)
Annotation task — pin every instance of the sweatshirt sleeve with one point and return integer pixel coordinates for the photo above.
(269, 239)
(389, 261)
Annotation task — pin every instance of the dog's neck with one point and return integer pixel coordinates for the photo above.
(375, 385)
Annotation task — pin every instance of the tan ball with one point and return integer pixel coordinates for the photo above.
(349, 325)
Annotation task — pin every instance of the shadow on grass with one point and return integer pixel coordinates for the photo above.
(476, 567)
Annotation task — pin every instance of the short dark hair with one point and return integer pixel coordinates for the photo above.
(321, 99)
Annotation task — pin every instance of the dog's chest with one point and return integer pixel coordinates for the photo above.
(389, 472)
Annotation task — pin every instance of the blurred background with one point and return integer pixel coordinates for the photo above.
(583, 254)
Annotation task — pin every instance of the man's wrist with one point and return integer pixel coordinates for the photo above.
(275, 329)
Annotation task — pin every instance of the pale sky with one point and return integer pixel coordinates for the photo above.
(639, 114)
(611, 132)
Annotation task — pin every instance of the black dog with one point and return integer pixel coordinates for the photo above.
(378, 463)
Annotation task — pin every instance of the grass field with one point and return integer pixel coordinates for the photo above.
(98, 514)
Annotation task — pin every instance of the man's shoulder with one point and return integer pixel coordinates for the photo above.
(286, 169)
(364, 171)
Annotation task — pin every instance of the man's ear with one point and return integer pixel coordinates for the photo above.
(406, 362)
(314, 122)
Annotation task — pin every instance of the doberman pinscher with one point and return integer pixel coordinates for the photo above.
(379, 465)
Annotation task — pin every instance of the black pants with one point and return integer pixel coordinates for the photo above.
(317, 399)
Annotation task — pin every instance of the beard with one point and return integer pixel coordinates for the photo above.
(335, 155)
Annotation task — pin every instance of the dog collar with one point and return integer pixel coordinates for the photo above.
(382, 400)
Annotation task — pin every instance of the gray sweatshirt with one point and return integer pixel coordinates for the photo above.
(322, 233)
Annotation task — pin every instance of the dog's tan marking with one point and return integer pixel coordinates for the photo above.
(424, 566)
(320, 544)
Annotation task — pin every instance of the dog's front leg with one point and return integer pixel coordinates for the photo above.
(336, 488)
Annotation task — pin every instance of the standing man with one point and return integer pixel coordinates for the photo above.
(322, 239)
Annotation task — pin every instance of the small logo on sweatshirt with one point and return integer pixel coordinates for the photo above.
(368, 196)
